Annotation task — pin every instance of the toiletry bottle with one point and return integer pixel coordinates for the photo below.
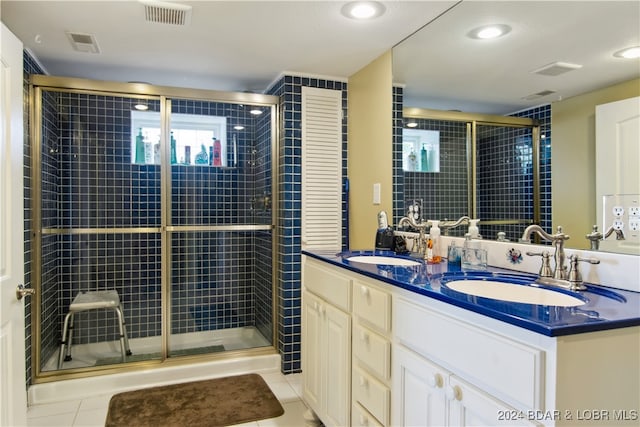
(139, 148)
(187, 155)
(148, 151)
(424, 165)
(174, 157)
(156, 153)
(217, 152)
(434, 242)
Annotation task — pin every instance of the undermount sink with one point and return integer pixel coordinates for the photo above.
(383, 260)
(514, 293)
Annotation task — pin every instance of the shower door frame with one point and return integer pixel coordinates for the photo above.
(38, 83)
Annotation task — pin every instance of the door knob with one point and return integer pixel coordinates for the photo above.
(22, 292)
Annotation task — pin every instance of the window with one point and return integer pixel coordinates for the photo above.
(420, 150)
(195, 139)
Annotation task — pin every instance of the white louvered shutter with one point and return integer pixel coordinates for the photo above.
(321, 168)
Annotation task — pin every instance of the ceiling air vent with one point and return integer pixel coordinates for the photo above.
(160, 12)
(556, 68)
(83, 42)
(538, 95)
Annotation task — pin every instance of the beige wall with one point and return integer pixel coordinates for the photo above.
(369, 155)
(573, 159)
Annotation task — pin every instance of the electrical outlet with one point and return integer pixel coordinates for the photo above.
(634, 211)
(618, 224)
(618, 211)
(634, 224)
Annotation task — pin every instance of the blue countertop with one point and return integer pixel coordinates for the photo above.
(604, 307)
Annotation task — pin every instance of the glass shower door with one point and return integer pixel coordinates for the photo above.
(219, 227)
(100, 216)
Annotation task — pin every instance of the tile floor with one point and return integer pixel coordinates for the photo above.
(92, 412)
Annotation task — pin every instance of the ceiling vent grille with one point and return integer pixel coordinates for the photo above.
(556, 68)
(538, 95)
(160, 12)
(83, 42)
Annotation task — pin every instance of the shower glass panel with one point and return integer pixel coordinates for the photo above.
(220, 225)
(505, 179)
(156, 228)
(100, 231)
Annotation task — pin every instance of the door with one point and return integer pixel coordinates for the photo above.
(617, 173)
(312, 346)
(420, 399)
(13, 395)
(337, 351)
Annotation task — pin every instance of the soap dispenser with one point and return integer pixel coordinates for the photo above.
(473, 230)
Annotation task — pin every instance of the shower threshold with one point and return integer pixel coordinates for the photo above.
(103, 353)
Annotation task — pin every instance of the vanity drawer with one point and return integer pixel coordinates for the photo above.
(372, 350)
(505, 368)
(371, 394)
(372, 305)
(361, 418)
(328, 284)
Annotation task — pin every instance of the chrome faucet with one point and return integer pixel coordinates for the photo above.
(421, 242)
(557, 239)
(595, 236)
(447, 225)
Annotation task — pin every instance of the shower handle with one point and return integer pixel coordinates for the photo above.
(22, 292)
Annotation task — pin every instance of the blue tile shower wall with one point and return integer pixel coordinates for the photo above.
(289, 89)
(89, 181)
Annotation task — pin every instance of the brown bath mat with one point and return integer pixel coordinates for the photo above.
(218, 402)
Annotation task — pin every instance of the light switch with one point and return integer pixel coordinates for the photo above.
(376, 193)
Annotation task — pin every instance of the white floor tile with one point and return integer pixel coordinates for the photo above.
(295, 381)
(293, 416)
(67, 407)
(98, 402)
(91, 418)
(60, 420)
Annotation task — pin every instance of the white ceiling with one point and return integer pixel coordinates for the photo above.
(246, 45)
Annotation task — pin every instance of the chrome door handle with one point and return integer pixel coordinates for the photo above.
(22, 292)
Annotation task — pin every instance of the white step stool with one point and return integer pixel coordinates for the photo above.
(93, 300)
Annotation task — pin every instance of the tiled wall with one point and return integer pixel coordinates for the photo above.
(89, 181)
(505, 186)
(289, 89)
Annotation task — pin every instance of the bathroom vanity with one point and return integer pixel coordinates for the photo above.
(386, 344)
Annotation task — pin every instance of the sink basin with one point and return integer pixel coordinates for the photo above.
(383, 260)
(514, 293)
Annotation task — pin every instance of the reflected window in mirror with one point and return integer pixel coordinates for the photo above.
(420, 150)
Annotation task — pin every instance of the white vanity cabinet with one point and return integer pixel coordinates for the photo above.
(374, 354)
(326, 343)
(371, 375)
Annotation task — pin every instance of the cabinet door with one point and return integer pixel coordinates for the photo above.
(470, 406)
(418, 398)
(312, 348)
(337, 354)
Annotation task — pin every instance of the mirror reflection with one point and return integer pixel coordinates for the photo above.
(530, 73)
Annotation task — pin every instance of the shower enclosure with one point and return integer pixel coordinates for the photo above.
(488, 167)
(164, 195)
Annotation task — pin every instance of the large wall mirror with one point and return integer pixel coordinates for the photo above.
(551, 52)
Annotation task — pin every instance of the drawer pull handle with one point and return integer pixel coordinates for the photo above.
(453, 393)
(435, 380)
(363, 382)
(364, 336)
(364, 290)
(363, 420)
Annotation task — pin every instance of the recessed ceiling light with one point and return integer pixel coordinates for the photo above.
(628, 53)
(256, 111)
(362, 9)
(412, 124)
(489, 31)
(238, 127)
(141, 106)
